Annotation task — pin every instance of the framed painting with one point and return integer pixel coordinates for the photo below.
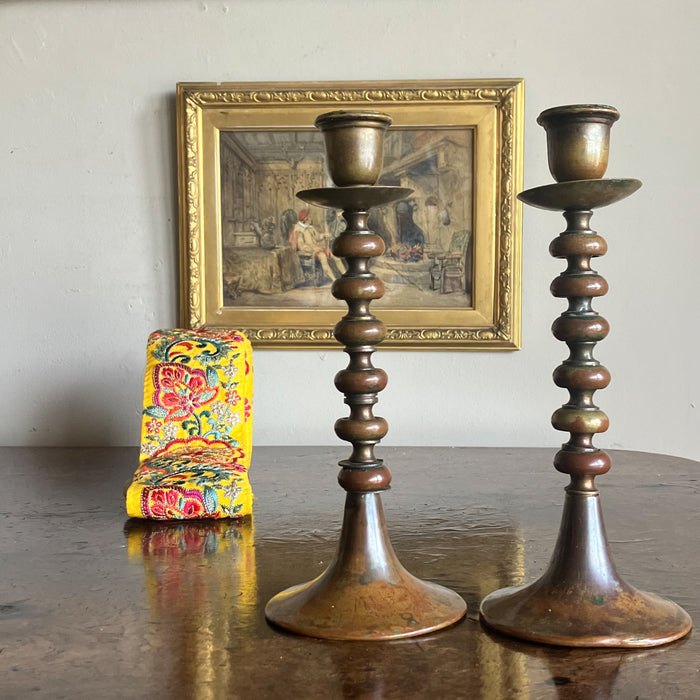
(256, 258)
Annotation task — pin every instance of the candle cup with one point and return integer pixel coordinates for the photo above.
(354, 146)
(578, 140)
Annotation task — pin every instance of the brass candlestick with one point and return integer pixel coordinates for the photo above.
(365, 593)
(581, 599)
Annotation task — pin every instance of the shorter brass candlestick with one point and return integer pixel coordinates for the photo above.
(581, 599)
(365, 593)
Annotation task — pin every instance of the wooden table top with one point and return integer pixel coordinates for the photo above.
(94, 605)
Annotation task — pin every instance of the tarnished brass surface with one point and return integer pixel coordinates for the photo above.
(358, 198)
(578, 140)
(365, 593)
(581, 600)
(95, 606)
(354, 143)
(579, 194)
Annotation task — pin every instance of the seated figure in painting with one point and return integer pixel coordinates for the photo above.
(312, 247)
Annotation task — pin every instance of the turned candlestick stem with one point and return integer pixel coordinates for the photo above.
(365, 593)
(581, 600)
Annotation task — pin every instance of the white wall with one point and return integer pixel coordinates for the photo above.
(88, 252)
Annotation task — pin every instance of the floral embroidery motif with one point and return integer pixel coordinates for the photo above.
(232, 398)
(153, 426)
(196, 430)
(180, 390)
(200, 402)
(173, 503)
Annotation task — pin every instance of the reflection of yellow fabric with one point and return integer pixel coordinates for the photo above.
(196, 434)
(201, 583)
(165, 547)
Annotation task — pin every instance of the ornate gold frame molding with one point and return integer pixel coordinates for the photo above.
(494, 108)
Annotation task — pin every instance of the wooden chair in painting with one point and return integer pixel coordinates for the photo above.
(451, 271)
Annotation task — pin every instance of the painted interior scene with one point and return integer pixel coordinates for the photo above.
(277, 249)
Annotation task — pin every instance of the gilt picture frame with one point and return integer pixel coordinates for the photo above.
(255, 258)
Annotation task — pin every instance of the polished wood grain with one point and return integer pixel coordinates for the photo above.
(95, 605)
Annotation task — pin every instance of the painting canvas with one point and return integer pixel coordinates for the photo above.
(257, 258)
(277, 249)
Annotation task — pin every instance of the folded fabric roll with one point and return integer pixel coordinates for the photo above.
(196, 433)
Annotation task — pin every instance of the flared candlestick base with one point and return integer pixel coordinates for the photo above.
(581, 601)
(365, 593)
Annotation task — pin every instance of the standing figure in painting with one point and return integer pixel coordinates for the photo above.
(312, 247)
(288, 221)
(336, 223)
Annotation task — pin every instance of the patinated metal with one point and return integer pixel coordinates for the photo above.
(581, 600)
(365, 593)
(578, 140)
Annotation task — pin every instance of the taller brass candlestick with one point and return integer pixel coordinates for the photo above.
(581, 599)
(365, 593)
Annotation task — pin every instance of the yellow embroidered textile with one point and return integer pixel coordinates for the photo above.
(196, 433)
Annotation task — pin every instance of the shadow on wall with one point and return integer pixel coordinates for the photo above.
(157, 129)
(87, 414)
